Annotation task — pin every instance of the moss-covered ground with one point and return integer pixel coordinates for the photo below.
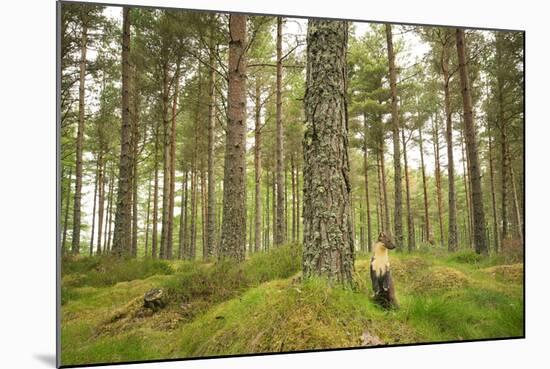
(264, 306)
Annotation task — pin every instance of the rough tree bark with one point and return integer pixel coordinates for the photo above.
(165, 160)
(366, 175)
(471, 145)
(328, 242)
(233, 239)
(438, 179)
(211, 227)
(496, 231)
(66, 218)
(398, 214)
(121, 236)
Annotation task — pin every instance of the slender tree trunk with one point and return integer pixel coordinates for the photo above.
(204, 213)
(274, 204)
(147, 217)
(410, 218)
(193, 225)
(387, 226)
(267, 212)
(496, 231)
(427, 228)
(516, 205)
(77, 203)
(438, 180)
(108, 225)
(135, 195)
(165, 161)
(66, 218)
(183, 218)
(211, 228)
(298, 206)
(398, 215)
(94, 210)
(257, 168)
(381, 222)
(293, 202)
(121, 236)
(154, 242)
(467, 195)
(328, 238)
(471, 144)
(234, 192)
(101, 202)
(366, 175)
(453, 229)
(171, 201)
(279, 229)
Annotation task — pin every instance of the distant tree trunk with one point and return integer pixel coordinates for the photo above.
(211, 228)
(121, 236)
(66, 218)
(267, 212)
(424, 188)
(109, 216)
(147, 218)
(165, 161)
(101, 199)
(77, 203)
(366, 175)
(496, 231)
(171, 201)
(293, 202)
(154, 242)
(438, 179)
(453, 229)
(467, 194)
(285, 232)
(183, 218)
(257, 168)
(298, 206)
(362, 242)
(398, 215)
(204, 213)
(193, 225)
(279, 229)
(274, 203)
(94, 210)
(135, 144)
(328, 238)
(387, 227)
(471, 144)
(381, 222)
(234, 192)
(410, 218)
(516, 205)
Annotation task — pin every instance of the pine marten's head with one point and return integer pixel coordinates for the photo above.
(386, 240)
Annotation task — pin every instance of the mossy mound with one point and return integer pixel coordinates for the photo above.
(506, 273)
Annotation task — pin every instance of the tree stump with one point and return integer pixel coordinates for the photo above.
(154, 299)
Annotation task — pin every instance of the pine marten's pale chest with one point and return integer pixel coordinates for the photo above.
(380, 262)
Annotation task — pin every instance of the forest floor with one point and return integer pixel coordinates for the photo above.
(262, 306)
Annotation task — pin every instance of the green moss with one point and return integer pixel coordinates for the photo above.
(261, 306)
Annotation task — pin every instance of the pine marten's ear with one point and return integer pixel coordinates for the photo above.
(381, 236)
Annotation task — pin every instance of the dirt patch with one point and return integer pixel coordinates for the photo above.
(506, 273)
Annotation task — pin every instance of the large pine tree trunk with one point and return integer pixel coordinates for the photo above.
(280, 225)
(427, 229)
(398, 214)
(121, 236)
(480, 238)
(77, 203)
(438, 179)
(211, 228)
(467, 192)
(109, 215)
(234, 192)
(257, 169)
(453, 229)
(328, 239)
(135, 143)
(387, 226)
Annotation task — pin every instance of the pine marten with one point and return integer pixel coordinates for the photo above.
(382, 283)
